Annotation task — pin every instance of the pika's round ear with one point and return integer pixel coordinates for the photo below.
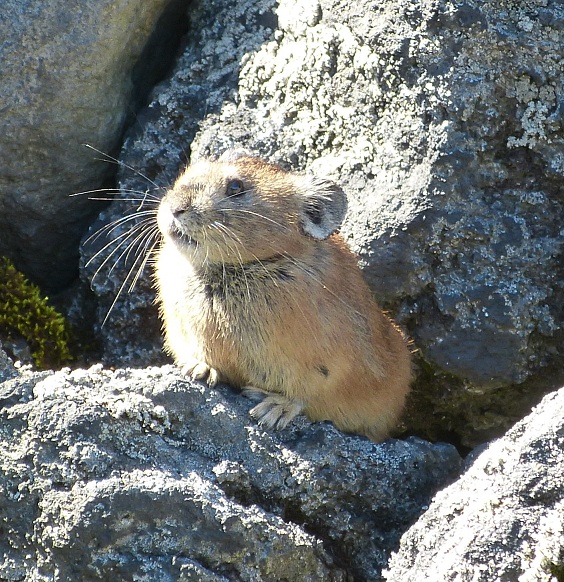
(324, 205)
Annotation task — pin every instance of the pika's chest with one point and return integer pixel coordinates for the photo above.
(219, 302)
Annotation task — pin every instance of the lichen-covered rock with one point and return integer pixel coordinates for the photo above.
(503, 519)
(67, 70)
(139, 473)
(451, 159)
(7, 368)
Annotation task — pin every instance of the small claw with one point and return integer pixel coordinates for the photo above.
(200, 371)
(213, 377)
(275, 411)
(186, 370)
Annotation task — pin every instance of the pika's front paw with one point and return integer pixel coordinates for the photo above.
(201, 371)
(275, 411)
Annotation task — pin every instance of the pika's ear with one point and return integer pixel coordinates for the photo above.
(234, 154)
(324, 205)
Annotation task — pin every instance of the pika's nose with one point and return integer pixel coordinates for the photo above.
(177, 211)
(179, 206)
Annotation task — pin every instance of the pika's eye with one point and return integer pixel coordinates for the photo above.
(234, 188)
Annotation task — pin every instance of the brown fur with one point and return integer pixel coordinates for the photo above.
(253, 299)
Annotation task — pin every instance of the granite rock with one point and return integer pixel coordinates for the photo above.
(140, 473)
(7, 368)
(503, 519)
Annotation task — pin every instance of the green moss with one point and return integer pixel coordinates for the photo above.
(23, 311)
(557, 570)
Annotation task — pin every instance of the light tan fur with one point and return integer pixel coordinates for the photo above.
(255, 291)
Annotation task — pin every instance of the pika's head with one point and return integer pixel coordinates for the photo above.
(240, 209)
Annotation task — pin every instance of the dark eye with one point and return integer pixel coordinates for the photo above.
(234, 188)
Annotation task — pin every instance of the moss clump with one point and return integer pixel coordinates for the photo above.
(23, 311)
(557, 570)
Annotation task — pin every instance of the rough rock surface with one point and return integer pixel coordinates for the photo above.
(7, 368)
(451, 158)
(504, 518)
(67, 71)
(139, 474)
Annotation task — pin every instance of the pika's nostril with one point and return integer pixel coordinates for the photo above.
(178, 207)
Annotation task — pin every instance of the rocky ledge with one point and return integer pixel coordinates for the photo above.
(142, 475)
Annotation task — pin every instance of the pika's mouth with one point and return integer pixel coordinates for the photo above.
(180, 236)
(171, 227)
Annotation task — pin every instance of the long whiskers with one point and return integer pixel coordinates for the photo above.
(109, 228)
(139, 263)
(107, 158)
(131, 239)
(144, 198)
(144, 244)
(128, 238)
(135, 246)
(257, 214)
(145, 195)
(138, 241)
(227, 233)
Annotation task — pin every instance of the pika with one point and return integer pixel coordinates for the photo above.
(257, 289)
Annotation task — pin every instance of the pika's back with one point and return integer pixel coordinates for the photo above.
(256, 290)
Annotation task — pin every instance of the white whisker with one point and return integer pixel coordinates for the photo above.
(227, 232)
(150, 243)
(245, 211)
(138, 265)
(139, 242)
(148, 254)
(108, 158)
(111, 227)
(132, 246)
(118, 241)
(145, 195)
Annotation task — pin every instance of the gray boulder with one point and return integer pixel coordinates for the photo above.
(7, 368)
(140, 474)
(451, 158)
(503, 519)
(67, 71)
